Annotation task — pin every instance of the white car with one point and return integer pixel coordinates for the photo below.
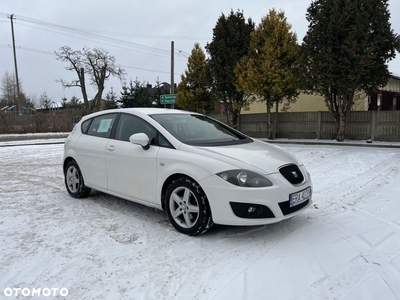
(197, 169)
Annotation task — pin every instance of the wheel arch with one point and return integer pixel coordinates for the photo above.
(168, 181)
(66, 161)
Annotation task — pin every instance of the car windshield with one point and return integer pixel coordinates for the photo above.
(199, 130)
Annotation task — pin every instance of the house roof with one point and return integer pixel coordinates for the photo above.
(394, 76)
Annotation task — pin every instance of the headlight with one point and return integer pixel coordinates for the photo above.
(245, 178)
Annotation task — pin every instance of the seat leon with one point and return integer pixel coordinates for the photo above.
(200, 171)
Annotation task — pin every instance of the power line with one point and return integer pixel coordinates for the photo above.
(28, 49)
(92, 35)
(36, 50)
(85, 32)
(149, 70)
(114, 33)
(100, 37)
(53, 54)
(147, 36)
(90, 40)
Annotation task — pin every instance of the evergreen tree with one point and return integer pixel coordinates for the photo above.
(75, 103)
(346, 50)
(135, 95)
(159, 89)
(45, 101)
(64, 102)
(111, 100)
(194, 90)
(231, 39)
(269, 70)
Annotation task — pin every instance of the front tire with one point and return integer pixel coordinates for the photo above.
(187, 207)
(74, 181)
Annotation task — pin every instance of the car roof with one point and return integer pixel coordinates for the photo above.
(155, 111)
(140, 111)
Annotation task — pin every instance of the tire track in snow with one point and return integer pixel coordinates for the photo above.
(249, 265)
(372, 259)
(360, 182)
(379, 253)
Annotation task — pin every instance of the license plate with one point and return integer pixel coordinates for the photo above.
(300, 197)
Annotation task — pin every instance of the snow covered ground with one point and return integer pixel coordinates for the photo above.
(346, 246)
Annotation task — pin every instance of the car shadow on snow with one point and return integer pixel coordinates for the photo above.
(149, 216)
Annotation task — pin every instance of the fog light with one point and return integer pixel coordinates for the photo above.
(252, 209)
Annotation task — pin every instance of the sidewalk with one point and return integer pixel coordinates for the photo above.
(8, 140)
(334, 143)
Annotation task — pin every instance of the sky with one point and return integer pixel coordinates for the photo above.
(137, 33)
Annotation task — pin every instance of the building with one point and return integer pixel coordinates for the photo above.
(387, 98)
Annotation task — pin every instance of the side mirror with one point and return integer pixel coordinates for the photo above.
(140, 139)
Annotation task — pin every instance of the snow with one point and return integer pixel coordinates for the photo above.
(346, 246)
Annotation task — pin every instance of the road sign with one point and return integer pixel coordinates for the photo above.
(167, 99)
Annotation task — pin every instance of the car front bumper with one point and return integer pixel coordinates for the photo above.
(222, 194)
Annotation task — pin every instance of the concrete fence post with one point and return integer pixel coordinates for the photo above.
(319, 124)
(373, 124)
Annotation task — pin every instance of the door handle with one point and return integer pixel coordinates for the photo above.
(111, 148)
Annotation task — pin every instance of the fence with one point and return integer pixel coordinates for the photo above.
(362, 125)
(50, 121)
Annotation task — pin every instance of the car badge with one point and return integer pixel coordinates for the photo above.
(295, 174)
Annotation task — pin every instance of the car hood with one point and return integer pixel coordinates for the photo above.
(256, 156)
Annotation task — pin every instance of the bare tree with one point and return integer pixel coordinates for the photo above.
(98, 64)
(8, 89)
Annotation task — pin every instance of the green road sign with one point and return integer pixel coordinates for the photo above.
(167, 99)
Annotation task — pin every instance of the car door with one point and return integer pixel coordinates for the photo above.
(90, 149)
(131, 170)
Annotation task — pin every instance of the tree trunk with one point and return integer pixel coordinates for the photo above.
(269, 135)
(275, 121)
(83, 89)
(100, 86)
(341, 125)
(98, 99)
(235, 118)
(228, 121)
(239, 120)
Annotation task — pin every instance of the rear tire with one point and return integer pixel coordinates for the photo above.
(74, 181)
(187, 207)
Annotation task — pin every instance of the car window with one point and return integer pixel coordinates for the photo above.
(101, 126)
(199, 130)
(163, 142)
(129, 124)
(85, 126)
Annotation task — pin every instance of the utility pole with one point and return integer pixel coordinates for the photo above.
(15, 64)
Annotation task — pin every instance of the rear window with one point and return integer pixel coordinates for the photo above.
(85, 126)
(101, 126)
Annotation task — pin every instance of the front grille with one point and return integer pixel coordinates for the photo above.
(292, 173)
(286, 209)
(241, 210)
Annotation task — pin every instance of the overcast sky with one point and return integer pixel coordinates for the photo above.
(137, 33)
